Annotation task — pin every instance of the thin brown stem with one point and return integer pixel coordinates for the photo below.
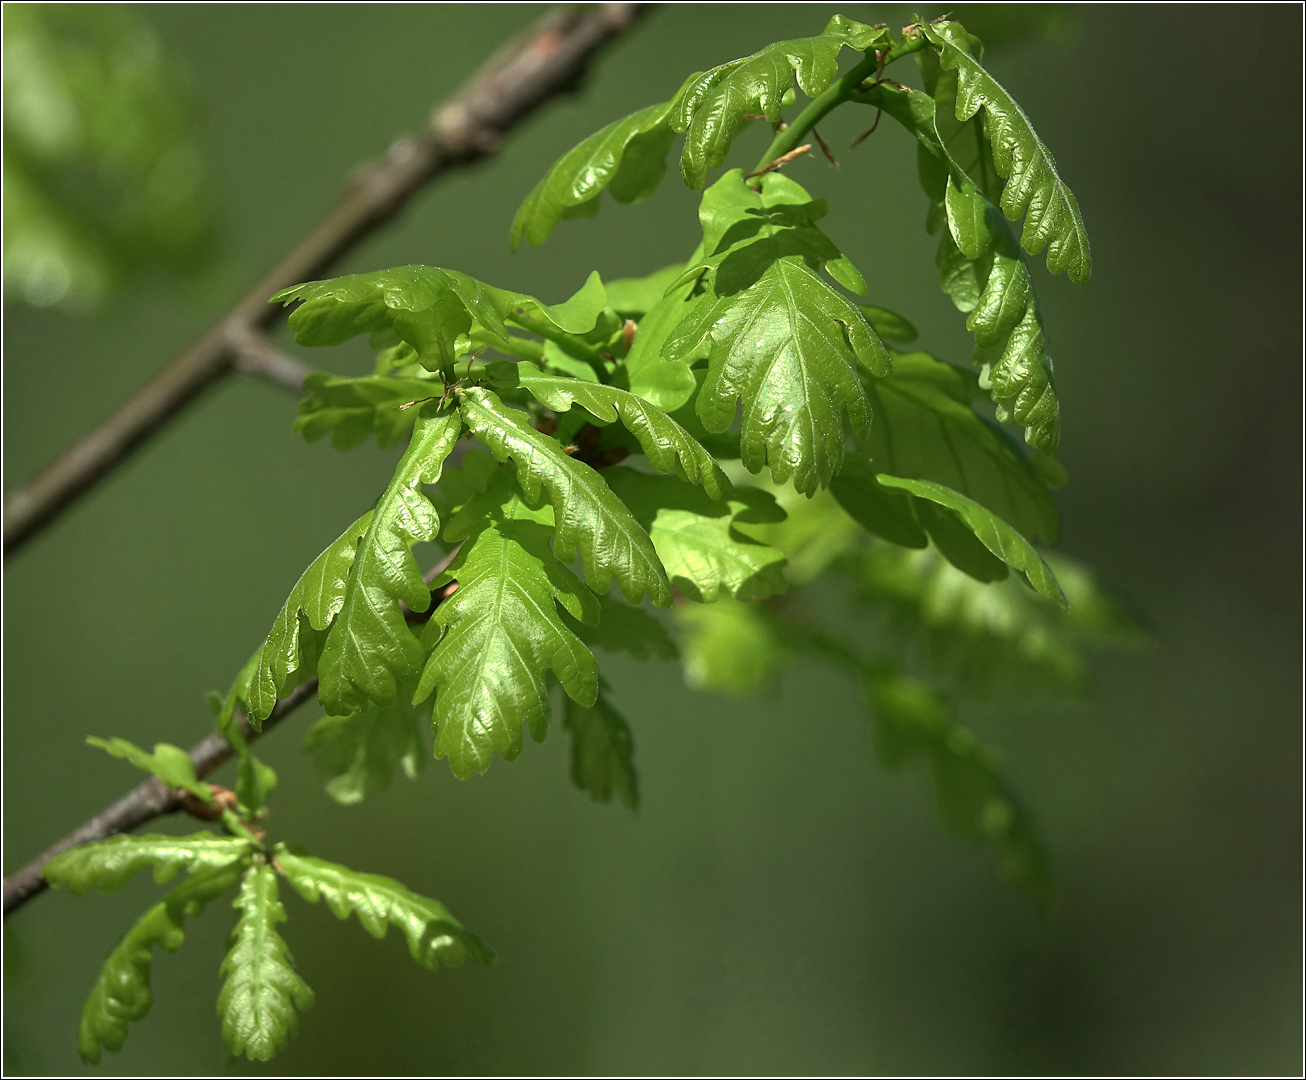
(547, 61)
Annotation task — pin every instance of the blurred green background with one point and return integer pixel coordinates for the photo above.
(779, 904)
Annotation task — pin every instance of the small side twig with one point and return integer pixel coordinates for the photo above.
(781, 161)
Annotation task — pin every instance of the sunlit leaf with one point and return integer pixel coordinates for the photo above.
(169, 763)
(107, 865)
(727, 647)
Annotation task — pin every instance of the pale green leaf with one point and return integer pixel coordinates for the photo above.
(169, 763)
(727, 647)
(494, 639)
(352, 409)
(257, 1002)
(668, 384)
(587, 515)
(107, 865)
(704, 555)
(791, 347)
(435, 938)
(121, 994)
(634, 297)
(628, 157)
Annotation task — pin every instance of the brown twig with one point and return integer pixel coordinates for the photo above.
(825, 148)
(153, 798)
(470, 126)
(781, 161)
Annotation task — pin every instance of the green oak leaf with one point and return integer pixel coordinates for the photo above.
(370, 648)
(435, 938)
(586, 513)
(109, 864)
(622, 628)
(791, 348)
(628, 158)
(711, 106)
(121, 994)
(257, 1002)
(169, 763)
(665, 443)
(352, 409)
(359, 752)
(704, 555)
(494, 639)
(727, 647)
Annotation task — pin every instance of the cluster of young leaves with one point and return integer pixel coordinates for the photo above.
(262, 994)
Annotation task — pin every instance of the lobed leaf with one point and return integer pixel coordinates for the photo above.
(668, 384)
(975, 802)
(499, 633)
(289, 656)
(602, 752)
(704, 555)
(711, 106)
(925, 429)
(995, 534)
(1034, 189)
(109, 864)
(370, 648)
(435, 938)
(586, 513)
(665, 443)
(628, 158)
(360, 752)
(122, 992)
(790, 347)
(257, 1002)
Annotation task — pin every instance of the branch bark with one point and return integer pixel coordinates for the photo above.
(153, 798)
(470, 126)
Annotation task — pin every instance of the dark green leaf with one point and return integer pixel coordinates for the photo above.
(258, 1001)
(499, 633)
(994, 533)
(586, 513)
(925, 429)
(353, 409)
(602, 752)
(169, 763)
(360, 752)
(435, 938)
(888, 325)
(107, 865)
(695, 538)
(370, 646)
(974, 799)
(629, 154)
(791, 347)
(1033, 189)
(122, 992)
(622, 628)
(727, 647)
(881, 510)
(665, 443)
(813, 533)
(710, 107)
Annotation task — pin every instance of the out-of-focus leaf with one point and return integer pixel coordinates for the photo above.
(628, 157)
(107, 865)
(704, 555)
(122, 992)
(435, 938)
(633, 297)
(602, 752)
(257, 1003)
(103, 182)
(352, 409)
(360, 752)
(622, 628)
(813, 533)
(727, 647)
(586, 513)
(495, 638)
(169, 763)
(888, 324)
(974, 800)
